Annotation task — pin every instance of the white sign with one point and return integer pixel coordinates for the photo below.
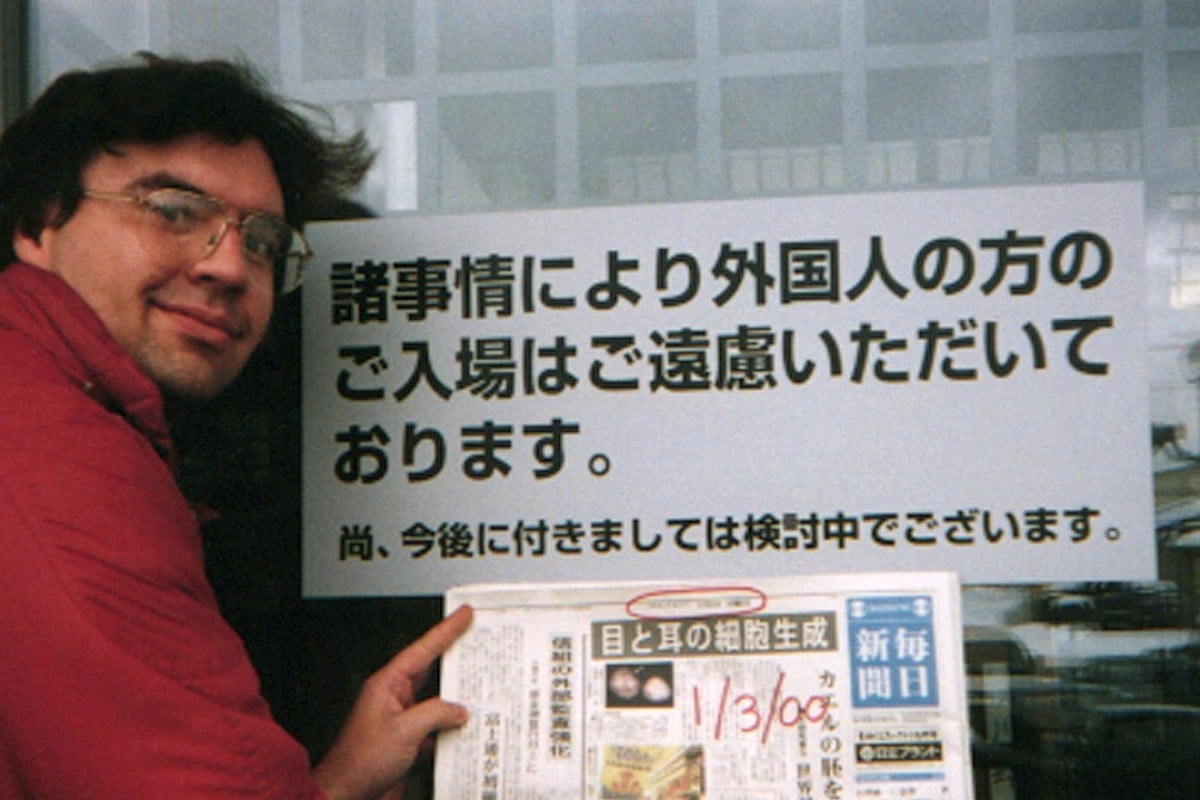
(948, 380)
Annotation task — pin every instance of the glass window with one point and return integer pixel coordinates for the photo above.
(391, 128)
(635, 30)
(497, 151)
(498, 35)
(927, 102)
(79, 35)
(357, 40)
(637, 142)
(1079, 116)
(928, 124)
(781, 110)
(782, 133)
(923, 21)
(399, 26)
(1183, 13)
(1183, 87)
(334, 40)
(767, 26)
(1051, 16)
(222, 27)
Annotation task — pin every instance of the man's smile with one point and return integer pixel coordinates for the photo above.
(214, 327)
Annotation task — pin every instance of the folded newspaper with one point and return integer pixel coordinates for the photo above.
(797, 688)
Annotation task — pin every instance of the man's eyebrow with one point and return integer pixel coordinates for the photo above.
(164, 180)
(167, 180)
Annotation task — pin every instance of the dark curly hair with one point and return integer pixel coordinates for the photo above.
(157, 100)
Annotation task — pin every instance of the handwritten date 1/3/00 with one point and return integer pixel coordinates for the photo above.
(746, 711)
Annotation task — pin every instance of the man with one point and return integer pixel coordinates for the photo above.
(147, 218)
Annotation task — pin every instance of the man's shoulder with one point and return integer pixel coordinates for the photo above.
(37, 389)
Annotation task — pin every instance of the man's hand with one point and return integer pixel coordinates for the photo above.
(385, 730)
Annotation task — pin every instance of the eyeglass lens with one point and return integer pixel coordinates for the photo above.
(203, 221)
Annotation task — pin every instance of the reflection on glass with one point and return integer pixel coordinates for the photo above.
(917, 21)
(1053, 16)
(638, 142)
(1073, 113)
(487, 36)
(782, 134)
(334, 40)
(772, 26)
(612, 31)
(497, 151)
(1061, 676)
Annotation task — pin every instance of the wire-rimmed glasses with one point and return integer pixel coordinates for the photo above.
(194, 225)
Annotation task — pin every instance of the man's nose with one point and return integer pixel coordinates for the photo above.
(224, 260)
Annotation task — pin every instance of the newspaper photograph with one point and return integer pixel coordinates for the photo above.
(830, 687)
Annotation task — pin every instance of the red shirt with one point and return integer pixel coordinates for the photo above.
(119, 679)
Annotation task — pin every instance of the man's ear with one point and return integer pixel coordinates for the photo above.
(34, 249)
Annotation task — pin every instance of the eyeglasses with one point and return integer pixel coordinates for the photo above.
(192, 225)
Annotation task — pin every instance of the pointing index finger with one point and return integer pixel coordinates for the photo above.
(417, 657)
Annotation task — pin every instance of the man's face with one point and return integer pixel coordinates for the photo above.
(190, 324)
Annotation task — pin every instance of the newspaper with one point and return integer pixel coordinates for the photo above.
(831, 687)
